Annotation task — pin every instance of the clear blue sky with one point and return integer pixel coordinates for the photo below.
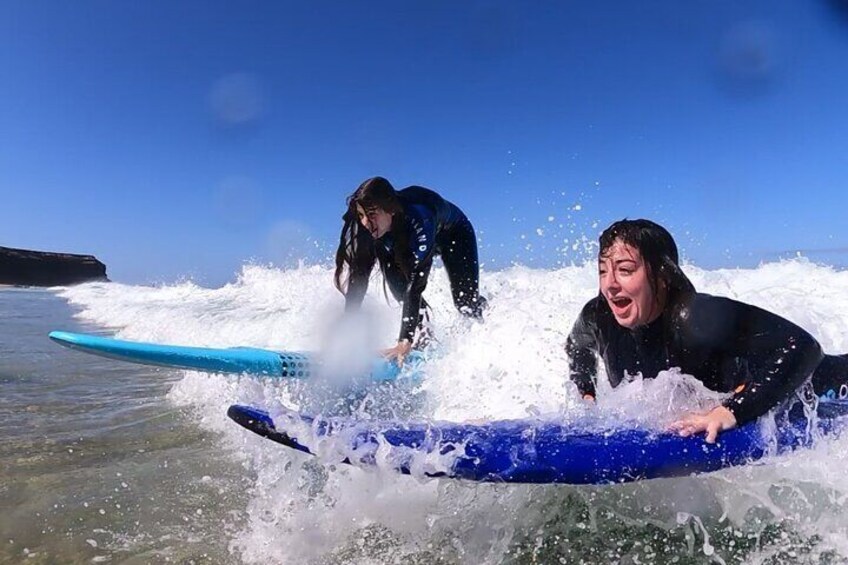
(178, 139)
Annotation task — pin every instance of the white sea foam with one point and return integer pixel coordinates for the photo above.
(511, 366)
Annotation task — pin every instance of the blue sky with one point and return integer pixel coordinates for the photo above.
(181, 139)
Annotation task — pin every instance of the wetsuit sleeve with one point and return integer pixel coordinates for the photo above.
(582, 349)
(780, 355)
(422, 240)
(412, 299)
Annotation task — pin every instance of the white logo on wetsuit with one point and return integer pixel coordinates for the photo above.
(421, 235)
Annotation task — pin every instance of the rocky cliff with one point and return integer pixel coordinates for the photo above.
(41, 268)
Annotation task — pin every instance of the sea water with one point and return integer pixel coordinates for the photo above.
(103, 461)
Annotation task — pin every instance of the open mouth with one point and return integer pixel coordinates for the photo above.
(621, 302)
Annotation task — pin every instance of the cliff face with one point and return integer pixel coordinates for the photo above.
(40, 268)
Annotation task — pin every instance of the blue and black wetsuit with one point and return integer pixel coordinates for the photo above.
(727, 345)
(433, 227)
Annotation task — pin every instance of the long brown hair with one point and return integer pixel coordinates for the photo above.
(357, 248)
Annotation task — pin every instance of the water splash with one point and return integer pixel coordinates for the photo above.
(791, 508)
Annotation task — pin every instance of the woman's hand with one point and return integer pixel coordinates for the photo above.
(716, 420)
(398, 352)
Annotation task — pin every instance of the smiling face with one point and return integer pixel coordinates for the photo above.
(376, 220)
(625, 283)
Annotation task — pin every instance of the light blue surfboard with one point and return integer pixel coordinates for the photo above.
(284, 364)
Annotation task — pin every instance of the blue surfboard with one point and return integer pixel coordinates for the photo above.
(535, 451)
(284, 364)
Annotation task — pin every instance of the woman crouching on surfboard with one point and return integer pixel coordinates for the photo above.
(404, 230)
(648, 318)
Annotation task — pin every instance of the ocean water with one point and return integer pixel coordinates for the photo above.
(103, 461)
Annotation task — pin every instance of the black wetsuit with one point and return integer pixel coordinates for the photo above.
(727, 345)
(434, 227)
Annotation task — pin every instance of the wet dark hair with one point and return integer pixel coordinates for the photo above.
(659, 252)
(356, 251)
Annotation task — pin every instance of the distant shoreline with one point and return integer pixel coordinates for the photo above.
(28, 267)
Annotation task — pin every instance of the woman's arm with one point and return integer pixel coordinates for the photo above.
(784, 356)
(412, 299)
(421, 233)
(357, 285)
(582, 350)
(780, 355)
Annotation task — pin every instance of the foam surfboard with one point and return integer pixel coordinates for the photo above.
(285, 364)
(534, 451)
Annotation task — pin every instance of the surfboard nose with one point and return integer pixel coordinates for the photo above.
(63, 338)
(260, 423)
(250, 418)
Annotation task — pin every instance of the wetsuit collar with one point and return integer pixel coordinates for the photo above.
(649, 330)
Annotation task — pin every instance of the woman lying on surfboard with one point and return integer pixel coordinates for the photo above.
(648, 317)
(403, 231)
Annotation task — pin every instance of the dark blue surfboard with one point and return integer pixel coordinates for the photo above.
(536, 451)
